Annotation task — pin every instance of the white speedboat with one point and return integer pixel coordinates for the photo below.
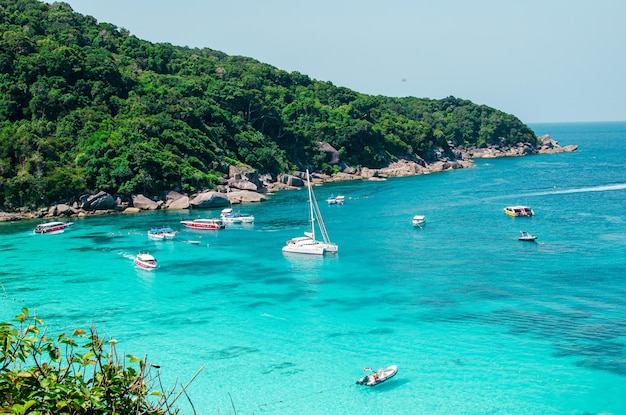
(525, 236)
(146, 261)
(419, 221)
(517, 211)
(307, 244)
(228, 216)
(204, 224)
(52, 227)
(374, 378)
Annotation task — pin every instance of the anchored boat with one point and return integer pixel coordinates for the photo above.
(419, 221)
(525, 236)
(228, 216)
(307, 244)
(517, 211)
(374, 378)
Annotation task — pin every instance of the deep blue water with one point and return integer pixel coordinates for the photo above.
(477, 321)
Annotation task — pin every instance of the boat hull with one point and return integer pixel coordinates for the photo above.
(527, 237)
(168, 233)
(306, 245)
(156, 236)
(235, 218)
(144, 265)
(204, 224)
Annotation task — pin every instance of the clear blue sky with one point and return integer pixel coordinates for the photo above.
(541, 60)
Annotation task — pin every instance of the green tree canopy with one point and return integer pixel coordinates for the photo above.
(85, 106)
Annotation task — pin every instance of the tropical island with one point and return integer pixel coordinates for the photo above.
(94, 119)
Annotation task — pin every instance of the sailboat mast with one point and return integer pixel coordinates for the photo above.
(320, 221)
(311, 213)
(316, 214)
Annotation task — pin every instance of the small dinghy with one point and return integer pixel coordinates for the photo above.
(380, 376)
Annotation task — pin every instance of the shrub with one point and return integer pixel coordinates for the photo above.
(76, 374)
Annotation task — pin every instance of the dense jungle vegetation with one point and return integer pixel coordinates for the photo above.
(86, 106)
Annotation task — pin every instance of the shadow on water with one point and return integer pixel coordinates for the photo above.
(389, 385)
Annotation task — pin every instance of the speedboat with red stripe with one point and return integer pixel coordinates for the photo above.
(146, 261)
(52, 227)
(204, 224)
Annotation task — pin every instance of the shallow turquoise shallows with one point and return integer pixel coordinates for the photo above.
(477, 321)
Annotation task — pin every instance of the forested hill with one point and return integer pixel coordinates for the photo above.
(86, 106)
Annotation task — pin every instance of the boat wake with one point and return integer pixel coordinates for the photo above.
(605, 188)
(125, 255)
(272, 316)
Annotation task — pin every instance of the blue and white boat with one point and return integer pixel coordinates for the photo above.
(228, 216)
(158, 234)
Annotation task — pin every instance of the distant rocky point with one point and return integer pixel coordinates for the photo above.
(547, 146)
(242, 184)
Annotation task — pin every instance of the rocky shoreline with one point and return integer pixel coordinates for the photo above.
(245, 185)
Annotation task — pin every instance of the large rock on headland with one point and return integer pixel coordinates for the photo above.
(245, 196)
(550, 146)
(99, 201)
(8, 217)
(242, 184)
(179, 204)
(289, 180)
(144, 203)
(546, 146)
(61, 209)
(176, 201)
(207, 200)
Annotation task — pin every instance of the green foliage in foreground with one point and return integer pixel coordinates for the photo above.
(74, 374)
(86, 107)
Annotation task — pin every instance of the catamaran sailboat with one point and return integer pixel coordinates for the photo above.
(307, 244)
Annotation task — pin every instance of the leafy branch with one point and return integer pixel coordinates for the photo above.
(76, 374)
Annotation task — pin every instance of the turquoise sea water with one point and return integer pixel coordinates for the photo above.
(477, 321)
